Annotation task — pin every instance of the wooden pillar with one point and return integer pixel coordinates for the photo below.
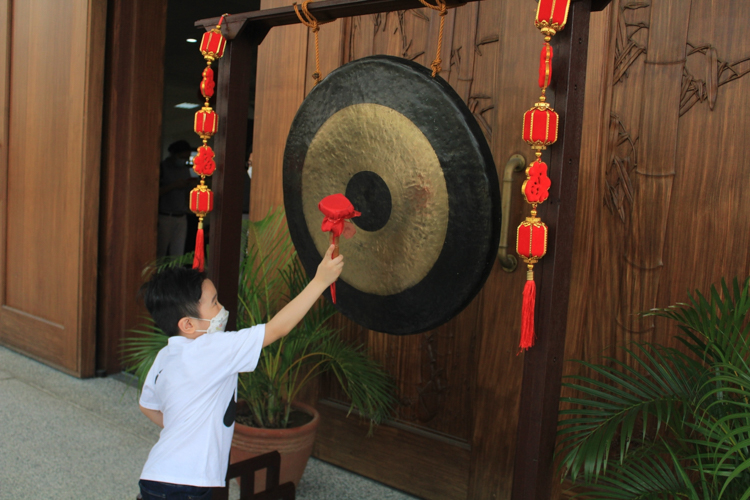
(542, 373)
(131, 152)
(229, 179)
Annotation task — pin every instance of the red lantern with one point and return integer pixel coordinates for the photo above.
(531, 244)
(201, 200)
(206, 123)
(531, 239)
(212, 44)
(551, 16)
(540, 126)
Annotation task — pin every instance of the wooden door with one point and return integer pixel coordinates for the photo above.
(52, 64)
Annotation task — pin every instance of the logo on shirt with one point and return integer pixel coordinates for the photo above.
(231, 412)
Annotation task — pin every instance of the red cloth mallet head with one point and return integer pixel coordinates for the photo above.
(337, 209)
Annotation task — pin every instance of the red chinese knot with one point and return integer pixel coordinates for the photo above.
(204, 164)
(545, 66)
(536, 187)
(207, 83)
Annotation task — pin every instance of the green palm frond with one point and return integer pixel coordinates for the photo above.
(617, 407)
(140, 350)
(679, 425)
(261, 285)
(713, 326)
(311, 349)
(642, 477)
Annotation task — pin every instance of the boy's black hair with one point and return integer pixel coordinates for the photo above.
(172, 294)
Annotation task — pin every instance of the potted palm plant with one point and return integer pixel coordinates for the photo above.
(667, 425)
(269, 415)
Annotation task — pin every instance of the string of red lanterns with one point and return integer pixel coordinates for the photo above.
(540, 125)
(206, 124)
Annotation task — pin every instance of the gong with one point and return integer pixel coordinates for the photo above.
(409, 155)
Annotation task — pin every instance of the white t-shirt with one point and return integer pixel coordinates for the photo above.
(194, 383)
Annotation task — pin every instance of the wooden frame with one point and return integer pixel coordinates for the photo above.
(543, 363)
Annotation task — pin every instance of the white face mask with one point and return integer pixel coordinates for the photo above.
(218, 322)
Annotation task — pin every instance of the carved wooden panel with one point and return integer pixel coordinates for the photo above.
(661, 191)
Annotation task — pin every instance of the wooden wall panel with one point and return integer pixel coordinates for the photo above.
(681, 124)
(5, 24)
(130, 167)
(280, 89)
(674, 98)
(441, 473)
(706, 231)
(652, 179)
(51, 210)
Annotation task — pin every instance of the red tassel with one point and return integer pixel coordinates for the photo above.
(527, 315)
(333, 292)
(200, 255)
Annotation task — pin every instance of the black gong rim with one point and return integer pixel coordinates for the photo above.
(473, 233)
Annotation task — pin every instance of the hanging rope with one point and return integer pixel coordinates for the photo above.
(443, 10)
(309, 20)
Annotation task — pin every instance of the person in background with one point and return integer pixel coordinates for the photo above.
(175, 184)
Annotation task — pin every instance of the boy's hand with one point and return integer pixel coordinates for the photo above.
(329, 269)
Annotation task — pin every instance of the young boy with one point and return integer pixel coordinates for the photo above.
(191, 388)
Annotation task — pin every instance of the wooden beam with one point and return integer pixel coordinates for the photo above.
(542, 374)
(327, 10)
(262, 21)
(228, 181)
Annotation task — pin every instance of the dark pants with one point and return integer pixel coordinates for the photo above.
(154, 490)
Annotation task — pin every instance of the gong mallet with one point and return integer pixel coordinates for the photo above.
(337, 209)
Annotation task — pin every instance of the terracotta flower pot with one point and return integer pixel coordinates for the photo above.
(295, 446)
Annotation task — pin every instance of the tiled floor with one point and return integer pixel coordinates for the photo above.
(66, 438)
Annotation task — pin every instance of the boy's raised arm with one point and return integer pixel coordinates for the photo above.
(286, 319)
